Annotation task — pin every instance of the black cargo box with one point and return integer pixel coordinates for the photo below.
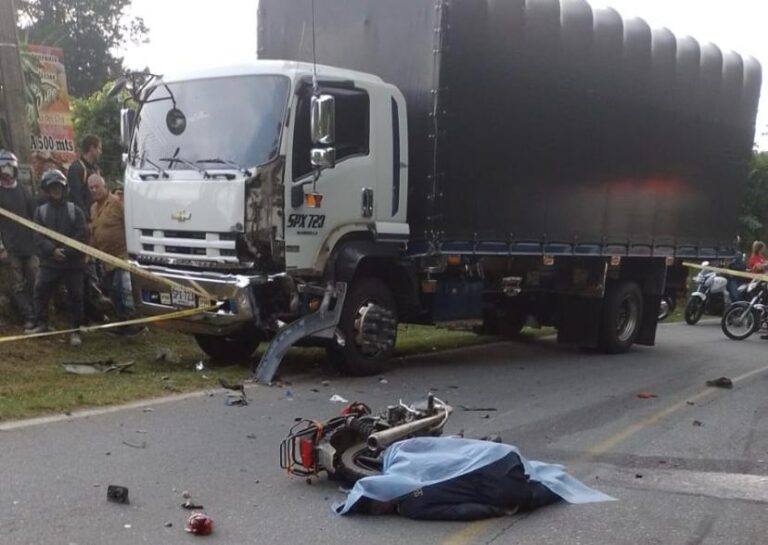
(546, 126)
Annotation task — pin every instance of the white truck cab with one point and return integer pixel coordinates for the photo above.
(221, 191)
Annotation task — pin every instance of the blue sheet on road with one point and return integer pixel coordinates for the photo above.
(422, 461)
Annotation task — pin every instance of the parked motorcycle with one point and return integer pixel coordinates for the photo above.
(350, 446)
(710, 295)
(743, 318)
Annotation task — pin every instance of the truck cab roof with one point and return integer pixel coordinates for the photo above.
(292, 69)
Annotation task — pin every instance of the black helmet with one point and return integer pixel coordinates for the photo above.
(53, 176)
(8, 159)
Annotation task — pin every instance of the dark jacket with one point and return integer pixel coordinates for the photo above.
(77, 183)
(491, 491)
(17, 239)
(56, 216)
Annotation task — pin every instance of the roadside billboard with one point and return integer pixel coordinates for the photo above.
(52, 136)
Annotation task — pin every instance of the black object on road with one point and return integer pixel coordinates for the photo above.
(722, 382)
(117, 494)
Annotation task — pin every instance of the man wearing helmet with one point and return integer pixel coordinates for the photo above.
(18, 240)
(59, 263)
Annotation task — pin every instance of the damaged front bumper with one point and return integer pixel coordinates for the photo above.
(234, 293)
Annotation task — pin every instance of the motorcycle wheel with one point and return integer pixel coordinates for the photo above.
(694, 310)
(355, 464)
(738, 322)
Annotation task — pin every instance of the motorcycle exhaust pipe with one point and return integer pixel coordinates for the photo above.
(382, 439)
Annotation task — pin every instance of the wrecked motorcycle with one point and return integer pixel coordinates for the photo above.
(350, 446)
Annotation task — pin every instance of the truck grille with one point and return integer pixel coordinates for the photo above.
(199, 245)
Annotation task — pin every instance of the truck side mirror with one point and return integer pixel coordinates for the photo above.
(323, 119)
(127, 119)
(323, 158)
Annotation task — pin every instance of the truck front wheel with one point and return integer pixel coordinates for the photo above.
(236, 347)
(622, 316)
(368, 326)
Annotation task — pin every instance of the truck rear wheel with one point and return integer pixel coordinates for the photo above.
(368, 324)
(236, 347)
(622, 316)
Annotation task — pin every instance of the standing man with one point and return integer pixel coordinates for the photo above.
(19, 241)
(80, 170)
(108, 235)
(59, 263)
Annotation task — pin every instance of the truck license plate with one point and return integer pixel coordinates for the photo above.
(182, 297)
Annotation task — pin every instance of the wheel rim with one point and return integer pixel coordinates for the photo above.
(626, 324)
(740, 323)
(663, 309)
(374, 329)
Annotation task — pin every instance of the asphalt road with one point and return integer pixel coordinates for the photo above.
(689, 466)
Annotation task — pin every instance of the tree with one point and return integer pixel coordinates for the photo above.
(753, 219)
(97, 114)
(89, 31)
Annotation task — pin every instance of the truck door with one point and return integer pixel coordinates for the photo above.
(346, 196)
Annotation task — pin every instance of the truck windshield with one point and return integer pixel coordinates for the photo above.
(237, 119)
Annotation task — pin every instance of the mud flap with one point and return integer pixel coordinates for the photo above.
(321, 323)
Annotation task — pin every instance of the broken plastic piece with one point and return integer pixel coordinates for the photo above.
(336, 398)
(645, 394)
(199, 524)
(722, 382)
(117, 494)
(96, 367)
(189, 504)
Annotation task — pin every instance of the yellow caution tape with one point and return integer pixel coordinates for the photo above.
(103, 256)
(728, 272)
(204, 304)
(88, 329)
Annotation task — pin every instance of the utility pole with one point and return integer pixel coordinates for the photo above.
(12, 83)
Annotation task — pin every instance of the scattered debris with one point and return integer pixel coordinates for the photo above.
(235, 386)
(325, 382)
(638, 476)
(645, 394)
(722, 382)
(148, 410)
(199, 524)
(690, 403)
(127, 526)
(96, 367)
(382, 380)
(486, 416)
(168, 524)
(143, 444)
(236, 399)
(200, 366)
(141, 431)
(452, 387)
(336, 398)
(186, 495)
(309, 481)
(171, 387)
(698, 423)
(251, 436)
(117, 494)
(189, 504)
(477, 409)
(314, 390)
(288, 394)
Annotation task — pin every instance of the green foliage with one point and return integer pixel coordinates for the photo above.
(89, 32)
(753, 219)
(97, 114)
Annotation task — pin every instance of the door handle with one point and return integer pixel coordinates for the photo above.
(367, 208)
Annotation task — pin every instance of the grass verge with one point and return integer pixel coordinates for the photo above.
(34, 382)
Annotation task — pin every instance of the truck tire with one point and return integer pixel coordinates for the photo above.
(368, 324)
(237, 347)
(622, 316)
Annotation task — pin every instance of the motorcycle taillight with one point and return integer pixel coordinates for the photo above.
(307, 452)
